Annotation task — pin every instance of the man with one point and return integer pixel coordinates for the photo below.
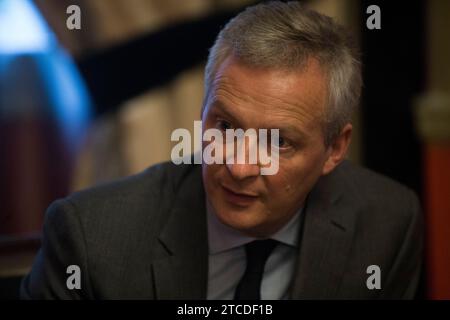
(320, 228)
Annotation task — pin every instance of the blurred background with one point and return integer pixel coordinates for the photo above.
(85, 106)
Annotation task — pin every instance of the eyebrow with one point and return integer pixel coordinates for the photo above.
(217, 104)
(295, 131)
(287, 127)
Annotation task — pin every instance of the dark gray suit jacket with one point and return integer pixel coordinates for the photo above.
(145, 237)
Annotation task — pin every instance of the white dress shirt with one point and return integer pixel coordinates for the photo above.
(227, 259)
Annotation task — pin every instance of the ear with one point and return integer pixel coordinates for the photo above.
(338, 149)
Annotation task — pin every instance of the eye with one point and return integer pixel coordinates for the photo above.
(223, 125)
(283, 143)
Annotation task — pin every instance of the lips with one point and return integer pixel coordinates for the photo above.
(239, 198)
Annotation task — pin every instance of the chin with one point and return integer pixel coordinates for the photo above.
(245, 220)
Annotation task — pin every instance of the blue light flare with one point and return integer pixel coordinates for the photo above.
(37, 77)
(22, 29)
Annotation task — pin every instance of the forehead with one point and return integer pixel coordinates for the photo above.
(271, 93)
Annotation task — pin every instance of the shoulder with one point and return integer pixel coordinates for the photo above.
(370, 184)
(380, 200)
(375, 188)
(160, 178)
(128, 205)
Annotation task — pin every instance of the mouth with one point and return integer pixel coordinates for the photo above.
(242, 199)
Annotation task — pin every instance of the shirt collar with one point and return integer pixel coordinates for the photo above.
(222, 237)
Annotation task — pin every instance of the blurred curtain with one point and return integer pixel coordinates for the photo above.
(109, 22)
(44, 111)
(139, 134)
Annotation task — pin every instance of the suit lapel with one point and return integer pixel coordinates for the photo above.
(326, 238)
(181, 259)
(180, 266)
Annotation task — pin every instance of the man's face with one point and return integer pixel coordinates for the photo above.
(293, 102)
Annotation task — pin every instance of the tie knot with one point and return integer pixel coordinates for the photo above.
(258, 252)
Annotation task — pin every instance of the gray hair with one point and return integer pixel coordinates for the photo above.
(283, 36)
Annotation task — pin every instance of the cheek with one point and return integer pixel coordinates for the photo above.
(294, 180)
(285, 184)
(210, 174)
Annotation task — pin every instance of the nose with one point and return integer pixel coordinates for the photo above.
(243, 171)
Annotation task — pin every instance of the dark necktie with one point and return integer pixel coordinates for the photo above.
(249, 287)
